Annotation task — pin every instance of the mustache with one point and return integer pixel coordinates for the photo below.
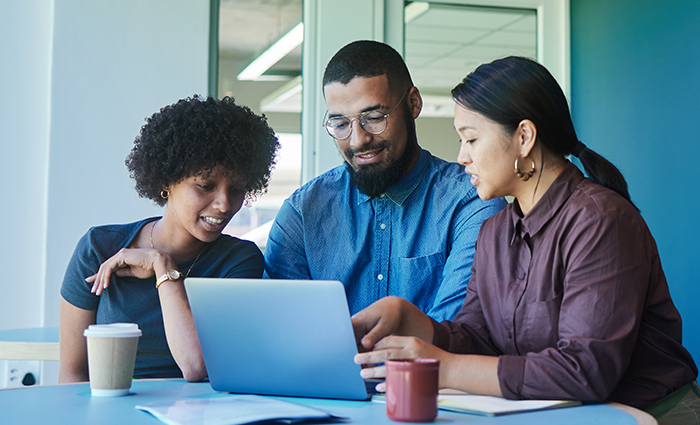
(382, 144)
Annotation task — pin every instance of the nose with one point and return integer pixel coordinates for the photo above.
(464, 157)
(359, 137)
(223, 201)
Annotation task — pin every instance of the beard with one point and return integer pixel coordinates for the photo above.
(375, 179)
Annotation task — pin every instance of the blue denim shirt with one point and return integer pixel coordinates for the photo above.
(415, 241)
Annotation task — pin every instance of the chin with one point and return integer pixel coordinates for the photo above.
(208, 237)
(485, 196)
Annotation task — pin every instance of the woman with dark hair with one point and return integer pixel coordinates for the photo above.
(201, 159)
(567, 298)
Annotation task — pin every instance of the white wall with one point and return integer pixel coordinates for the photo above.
(105, 67)
(25, 44)
(438, 136)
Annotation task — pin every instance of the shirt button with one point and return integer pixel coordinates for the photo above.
(509, 335)
(380, 276)
(521, 275)
(382, 226)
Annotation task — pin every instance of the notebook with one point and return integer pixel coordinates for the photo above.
(457, 401)
(276, 337)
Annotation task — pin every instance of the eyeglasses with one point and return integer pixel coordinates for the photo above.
(373, 122)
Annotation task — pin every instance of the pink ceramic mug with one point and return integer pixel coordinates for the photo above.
(411, 389)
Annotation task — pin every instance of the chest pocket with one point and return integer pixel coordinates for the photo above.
(419, 278)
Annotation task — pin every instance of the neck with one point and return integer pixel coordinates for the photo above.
(413, 161)
(531, 191)
(175, 240)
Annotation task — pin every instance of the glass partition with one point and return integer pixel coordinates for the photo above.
(445, 42)
(248, 31)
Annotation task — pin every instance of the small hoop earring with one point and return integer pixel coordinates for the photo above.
(164, 193)
(526, 175)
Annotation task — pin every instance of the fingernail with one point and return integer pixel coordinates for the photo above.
(365, 373)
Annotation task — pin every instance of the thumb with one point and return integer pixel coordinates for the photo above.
(376, 334)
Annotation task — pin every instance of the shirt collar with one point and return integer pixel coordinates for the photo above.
(550, 203)
(399, 192)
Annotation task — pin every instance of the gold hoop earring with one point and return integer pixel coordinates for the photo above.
(526, 175)
(164, 194)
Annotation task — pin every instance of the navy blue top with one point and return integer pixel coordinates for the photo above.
(133, 300)
(415, 241)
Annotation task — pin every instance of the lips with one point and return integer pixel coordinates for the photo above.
(368, 157)
(214, 224)
(474, 178)
(213, 221)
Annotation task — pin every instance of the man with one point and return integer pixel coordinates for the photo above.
(393, 220)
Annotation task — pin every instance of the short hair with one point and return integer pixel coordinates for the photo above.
(194, 135)
(366, 58)
(513, 89)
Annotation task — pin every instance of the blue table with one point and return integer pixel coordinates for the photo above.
(49, 335)
(73, 404)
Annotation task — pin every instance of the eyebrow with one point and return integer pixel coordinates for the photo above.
(465, 127)
(367, 109)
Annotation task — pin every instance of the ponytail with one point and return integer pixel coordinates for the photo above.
(602, 171)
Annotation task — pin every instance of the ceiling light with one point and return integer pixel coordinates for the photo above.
(414, 10)
(274, 53)
(285, 99)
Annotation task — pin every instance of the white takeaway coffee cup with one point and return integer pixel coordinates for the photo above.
(111, 357)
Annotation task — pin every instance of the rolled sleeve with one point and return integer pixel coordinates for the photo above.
(511, 370)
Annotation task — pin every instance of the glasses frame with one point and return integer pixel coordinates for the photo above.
(360, 116)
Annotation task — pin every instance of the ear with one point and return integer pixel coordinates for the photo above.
(415, 101)
(526, 134)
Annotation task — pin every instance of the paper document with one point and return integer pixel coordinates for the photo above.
(230, 410)
(491, 406)
(494, 406)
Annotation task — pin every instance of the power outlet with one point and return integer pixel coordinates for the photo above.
(16, 374)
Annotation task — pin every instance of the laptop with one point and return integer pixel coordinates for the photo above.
(277, 337)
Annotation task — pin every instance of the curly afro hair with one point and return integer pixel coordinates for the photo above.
(194, 135)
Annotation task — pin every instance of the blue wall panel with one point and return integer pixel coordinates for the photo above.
(635, 69)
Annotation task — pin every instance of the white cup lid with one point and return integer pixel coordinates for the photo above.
(113, 330)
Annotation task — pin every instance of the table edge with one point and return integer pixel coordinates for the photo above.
(642, 417)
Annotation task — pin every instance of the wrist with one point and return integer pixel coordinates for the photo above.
(163, 263)
(444, 374)
(170, 275)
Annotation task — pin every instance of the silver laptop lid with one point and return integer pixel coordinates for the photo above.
(276, 337)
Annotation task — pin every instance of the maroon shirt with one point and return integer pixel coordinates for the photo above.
(573, 299)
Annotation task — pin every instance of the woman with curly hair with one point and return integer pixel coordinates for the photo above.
(201, 159)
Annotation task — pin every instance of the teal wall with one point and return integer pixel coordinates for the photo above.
(635, 70)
